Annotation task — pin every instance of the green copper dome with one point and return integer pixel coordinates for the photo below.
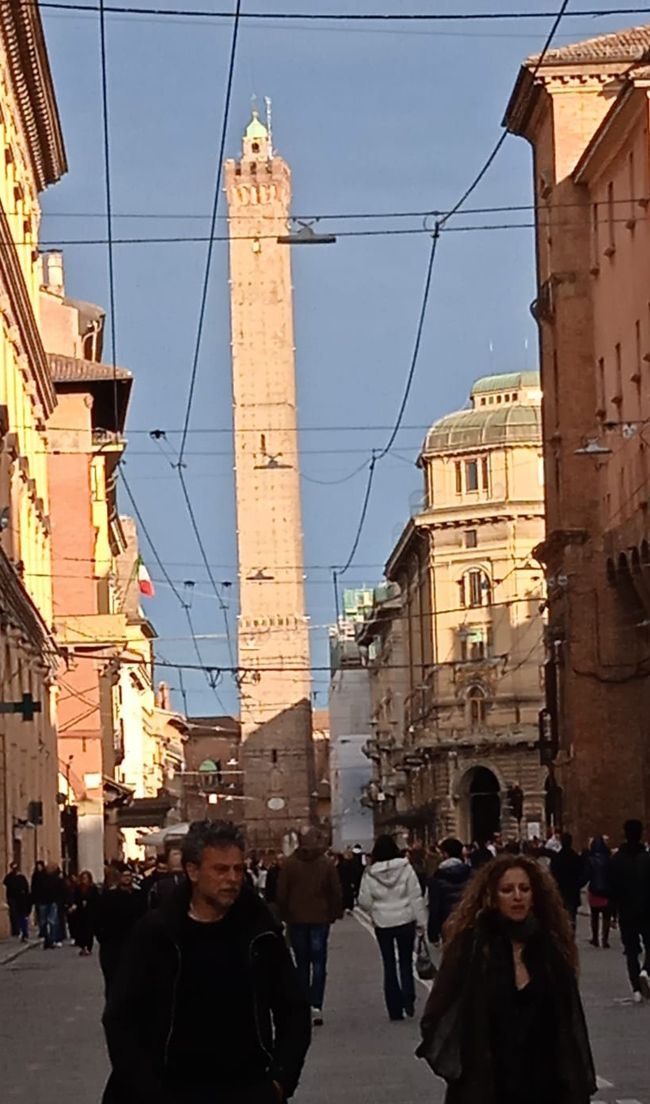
(506, 410)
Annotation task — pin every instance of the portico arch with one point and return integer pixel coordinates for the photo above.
(479, 794)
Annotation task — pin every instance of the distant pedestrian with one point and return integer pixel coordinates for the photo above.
(271, 884)
(391, 895)
(309, 898)
(447, 886)
(347, 871)
(170, 875)
(84, 909)
(630, 883)
(18, 901)
(359, 866)
(117, 912)
(568, 869)
(599, 890)
(37, 895)
(51, 892)
(480, 855)
(207, 1005)
(504, 1023)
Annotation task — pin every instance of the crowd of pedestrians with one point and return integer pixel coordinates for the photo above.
(210, 948)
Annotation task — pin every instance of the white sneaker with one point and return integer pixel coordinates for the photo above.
(58, 944)
(317, 1017)
(644, 982)
(636, 997)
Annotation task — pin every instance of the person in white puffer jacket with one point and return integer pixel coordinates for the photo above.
(391, 895)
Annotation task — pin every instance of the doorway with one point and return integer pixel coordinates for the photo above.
(481, 796)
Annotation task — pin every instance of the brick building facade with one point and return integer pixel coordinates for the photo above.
(586, 114)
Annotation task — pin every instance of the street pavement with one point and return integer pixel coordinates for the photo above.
(52, 1049)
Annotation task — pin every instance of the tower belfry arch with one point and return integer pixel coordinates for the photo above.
(273, 632)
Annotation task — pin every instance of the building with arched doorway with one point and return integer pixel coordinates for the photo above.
(466, 761)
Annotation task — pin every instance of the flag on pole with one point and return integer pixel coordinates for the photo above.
(144, 580)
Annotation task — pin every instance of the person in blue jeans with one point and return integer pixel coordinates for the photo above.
(391, 895)
(309, 900)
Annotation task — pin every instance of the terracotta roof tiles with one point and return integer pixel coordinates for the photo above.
(629, 45)
(67, 369)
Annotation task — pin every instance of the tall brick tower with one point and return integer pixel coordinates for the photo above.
(277, 754)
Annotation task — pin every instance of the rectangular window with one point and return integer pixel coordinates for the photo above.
(602, 396)
(471, 538)
(471, 475)
(617, 397)
(611, 239)
(459, 477)
(636, 378)
(632, 186)
(595, 239)
(475, 589)
(485, 473)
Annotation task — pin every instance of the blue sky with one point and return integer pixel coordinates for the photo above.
(372, 118)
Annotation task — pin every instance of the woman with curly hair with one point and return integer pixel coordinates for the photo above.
(504, 1022)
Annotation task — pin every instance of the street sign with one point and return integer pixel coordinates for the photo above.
(27, 706)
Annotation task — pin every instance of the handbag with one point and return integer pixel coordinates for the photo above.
(441, 1047)
(425, 967)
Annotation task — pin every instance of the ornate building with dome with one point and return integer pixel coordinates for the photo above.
(457, 752)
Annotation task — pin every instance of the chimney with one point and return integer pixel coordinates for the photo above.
(53, 275)
(164, 697)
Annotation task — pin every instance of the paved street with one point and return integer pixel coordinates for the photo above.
(51, 1046)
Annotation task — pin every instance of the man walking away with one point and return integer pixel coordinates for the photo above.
(118, 911)
(630, 886)
(18, 903)
(309, 898)
(446, 887)
(36, 894)
(570, 873)
(206, 1005)
(52, 896)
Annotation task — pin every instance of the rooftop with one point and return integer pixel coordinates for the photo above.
(67, 369)
(506, 381)
(631, 45)
(506, 409)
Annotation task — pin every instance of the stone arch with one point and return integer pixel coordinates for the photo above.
(479, 794)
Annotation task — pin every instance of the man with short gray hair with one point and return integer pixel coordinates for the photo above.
(207, 1007)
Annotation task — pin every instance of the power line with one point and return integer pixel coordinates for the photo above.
(340, 215)
(439, 225)
(179, 466)
(485, 168)
(113, 318)
(213, 225)
(336, 17)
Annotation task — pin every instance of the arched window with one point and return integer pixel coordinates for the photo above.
(476, 707)
(475, 589)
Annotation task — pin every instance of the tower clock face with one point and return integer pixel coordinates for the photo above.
(276, 803)
(255, 195)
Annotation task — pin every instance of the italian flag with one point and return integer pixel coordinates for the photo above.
(144, 580)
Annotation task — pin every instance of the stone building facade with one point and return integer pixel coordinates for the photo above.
(586, 114)
(458, 656)
(33, 158)
(273, 634)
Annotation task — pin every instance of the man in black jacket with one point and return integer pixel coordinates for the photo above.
(570, 873)
(118, 912)
(629, 874)
(446, 887)
(207, 1007)
(18, 903)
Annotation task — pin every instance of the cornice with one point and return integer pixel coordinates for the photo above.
(18, 609)
(22, 32)
(21, 317)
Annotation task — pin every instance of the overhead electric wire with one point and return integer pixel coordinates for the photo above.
(439, 225)
(213, 224)
(501, 140)
(113, 319)
(335, 17)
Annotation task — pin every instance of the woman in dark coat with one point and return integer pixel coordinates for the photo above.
(84, 911)
(504, 1023)
(600, 891)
